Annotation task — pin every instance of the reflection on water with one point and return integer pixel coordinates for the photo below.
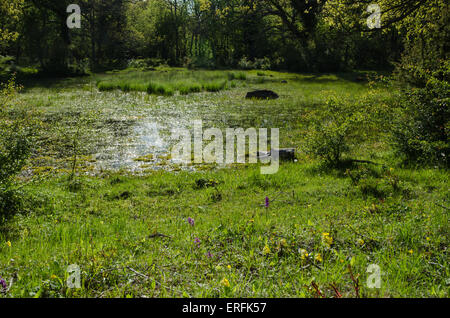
(133, 131)
(145, 138)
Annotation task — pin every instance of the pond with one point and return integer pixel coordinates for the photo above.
(131, 131)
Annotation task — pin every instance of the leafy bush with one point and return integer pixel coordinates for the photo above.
(245, 63)
(7, 66)
(330, 136)
(14, 151)
(146, 64)
(420, 131)
(263, 64)
(257, 64)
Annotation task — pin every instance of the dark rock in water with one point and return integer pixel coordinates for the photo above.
(284, 154)
(284, 82)
(262, 94)
(287, 154)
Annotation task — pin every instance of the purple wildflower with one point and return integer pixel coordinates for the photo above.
(267, 202)
(197, 241)
(2, 283)
(191, 221)
(209, 255)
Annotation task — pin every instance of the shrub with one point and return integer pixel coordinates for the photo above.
(7, 66)
(420, 131)
(263, 64)
(259, 64)
(245, 64)
(330, 136)
(146, 64)
(14, 151)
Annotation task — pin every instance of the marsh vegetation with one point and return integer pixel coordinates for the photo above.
(87, 177)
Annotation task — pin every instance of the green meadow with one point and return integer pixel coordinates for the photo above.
(98, 193)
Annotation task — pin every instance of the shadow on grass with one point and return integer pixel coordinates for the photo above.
(48, 80)
(341, 168)
(358, 77)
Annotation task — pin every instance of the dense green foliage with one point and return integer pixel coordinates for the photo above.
(421, 133)
(330, 135)
(14, 151)
(421, 129)
(294, 35)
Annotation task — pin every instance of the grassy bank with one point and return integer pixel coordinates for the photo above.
(131, 235)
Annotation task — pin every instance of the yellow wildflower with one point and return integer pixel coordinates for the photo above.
(360, 242)
(303, 253)
(266, 250)
(327, 239)
(53, 276)
(318, 257)
(229, 266)
(410, 251)
(8, 243)
(225, 282)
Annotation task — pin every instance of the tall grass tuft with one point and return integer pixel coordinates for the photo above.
(241, 76)
(186, 88)
(215, 86)
(106, 86)
(160, 89)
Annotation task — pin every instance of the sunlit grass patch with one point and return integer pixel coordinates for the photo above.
(208, 226)
(187, 87)
(160, 89)
(215, 86)
(168, 82)
(242, 76)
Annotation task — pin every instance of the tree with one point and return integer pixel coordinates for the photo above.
(10, 13)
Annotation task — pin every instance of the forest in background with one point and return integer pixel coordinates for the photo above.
(293, 35)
